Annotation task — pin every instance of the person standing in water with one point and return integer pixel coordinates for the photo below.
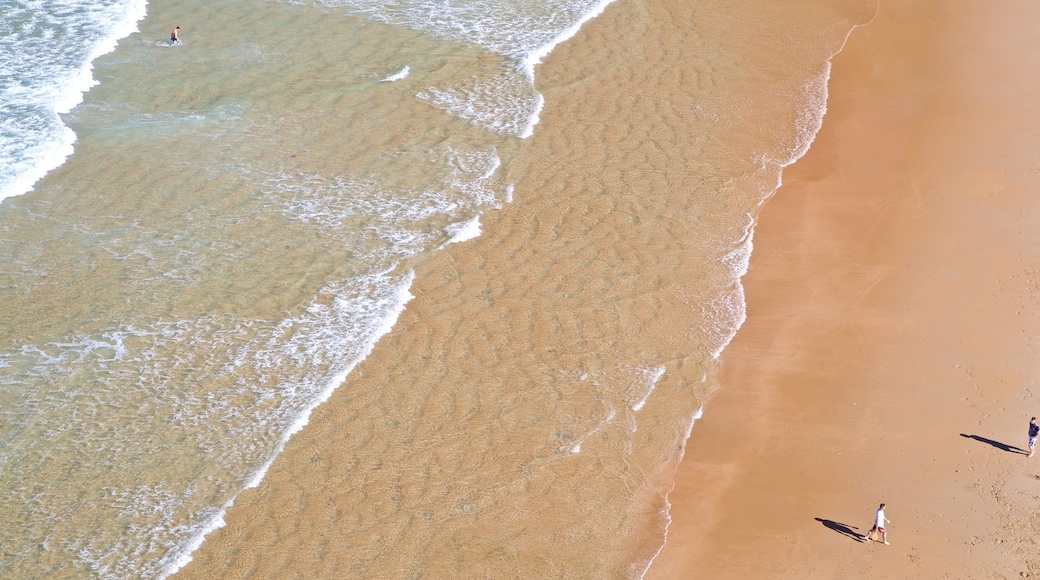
(175, 35)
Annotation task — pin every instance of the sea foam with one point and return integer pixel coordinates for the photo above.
(525, 33)
(46, 65)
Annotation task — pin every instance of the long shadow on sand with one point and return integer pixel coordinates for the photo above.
(997, 444)
(843, 529)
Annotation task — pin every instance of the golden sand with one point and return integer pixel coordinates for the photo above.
(890, 349)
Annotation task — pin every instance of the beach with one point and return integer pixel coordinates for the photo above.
(890, 349)
(502, 289)
(525, 415)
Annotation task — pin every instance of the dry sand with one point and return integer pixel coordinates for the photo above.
(890, 349)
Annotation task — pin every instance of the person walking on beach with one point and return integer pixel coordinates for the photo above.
(879, 525)
(1034, 431)
(175, 35)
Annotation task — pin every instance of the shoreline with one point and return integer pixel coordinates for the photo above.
(577, 302)
(888, 350)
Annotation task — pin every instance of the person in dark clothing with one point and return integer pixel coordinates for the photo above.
(1034, 432)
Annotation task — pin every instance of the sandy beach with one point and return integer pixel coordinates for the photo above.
(526, 414)
(890, 349)
(886, 357)
(353, 289)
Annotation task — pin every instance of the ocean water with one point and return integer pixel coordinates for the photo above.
(197, 251)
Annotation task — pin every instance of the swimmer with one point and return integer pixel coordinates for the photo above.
(174, 36)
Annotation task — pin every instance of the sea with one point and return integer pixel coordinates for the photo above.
(199, 241)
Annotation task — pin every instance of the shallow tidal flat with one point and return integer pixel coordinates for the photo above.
(526, 414)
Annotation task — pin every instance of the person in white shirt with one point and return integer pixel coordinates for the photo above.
(879, 525)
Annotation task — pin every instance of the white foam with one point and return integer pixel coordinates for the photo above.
(348, 209)
(727, 311)
(576, 447)
(639, 391)
(259, 405)
(731, 305)
(738, 259)
(534, 57)
(811, 119)
(397, 75)
(463, 231)
(504, 103)
(33, 149)
(400, 297)
(44, 157)
(522, 32)
(642, 567)
(83, 79)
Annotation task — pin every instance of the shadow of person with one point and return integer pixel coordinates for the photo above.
(843, 529)
(997, 444)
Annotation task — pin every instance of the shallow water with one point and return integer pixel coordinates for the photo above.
(239, 224)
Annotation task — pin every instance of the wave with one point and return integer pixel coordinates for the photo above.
(46, 66)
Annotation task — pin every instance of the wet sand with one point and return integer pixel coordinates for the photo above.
(452, 450)
(890, 350)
